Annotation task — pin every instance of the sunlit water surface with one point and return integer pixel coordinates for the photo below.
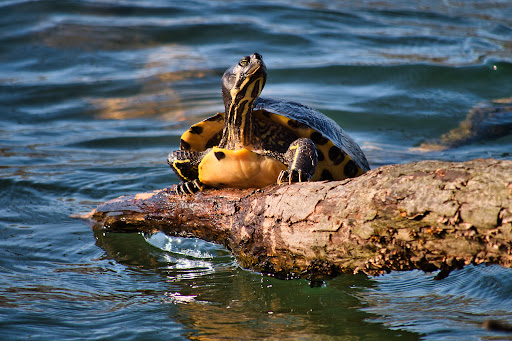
(94, 94)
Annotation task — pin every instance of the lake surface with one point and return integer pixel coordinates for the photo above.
(95, 94)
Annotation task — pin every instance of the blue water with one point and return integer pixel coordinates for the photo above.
(94, 94)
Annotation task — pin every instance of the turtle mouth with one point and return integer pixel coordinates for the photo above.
(253, 69)
(256, 65)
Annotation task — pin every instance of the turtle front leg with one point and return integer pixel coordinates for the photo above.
(185, 164)
(302, 159)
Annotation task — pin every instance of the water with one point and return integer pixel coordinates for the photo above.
(94, 94)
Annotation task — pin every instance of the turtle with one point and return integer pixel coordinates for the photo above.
(260, 141)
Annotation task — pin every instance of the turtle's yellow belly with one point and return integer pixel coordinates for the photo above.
(242, 168)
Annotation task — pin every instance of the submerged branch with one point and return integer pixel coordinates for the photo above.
(428, 215)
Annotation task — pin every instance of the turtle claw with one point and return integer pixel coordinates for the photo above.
(189, 187)
(289, 176)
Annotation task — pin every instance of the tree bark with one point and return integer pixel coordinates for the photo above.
(428, 215)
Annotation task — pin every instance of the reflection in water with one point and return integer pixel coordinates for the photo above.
(162, 93)
(162, 79)
(218, 301)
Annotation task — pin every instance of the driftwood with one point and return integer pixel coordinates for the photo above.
(428, 215)
(485, 121)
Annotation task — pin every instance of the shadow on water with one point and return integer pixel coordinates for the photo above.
(217, 300)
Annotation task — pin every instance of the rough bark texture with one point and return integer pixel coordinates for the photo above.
(428, 215)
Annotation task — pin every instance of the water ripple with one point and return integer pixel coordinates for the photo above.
(456, 305)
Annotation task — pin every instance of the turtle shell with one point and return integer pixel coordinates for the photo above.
(280, 123)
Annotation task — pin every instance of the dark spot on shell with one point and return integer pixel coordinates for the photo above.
(196, 130)
(184, 145)
(336, 155)
(214, 141)
(351, 169)
(293, 123)
(220, 155)
(326, 175)
(265, 113)
(297, 125)
(321, 156)
(215, 118)
(318, 138)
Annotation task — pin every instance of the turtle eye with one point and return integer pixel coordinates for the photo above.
(244, 62)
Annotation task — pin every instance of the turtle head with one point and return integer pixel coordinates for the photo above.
(244, 81)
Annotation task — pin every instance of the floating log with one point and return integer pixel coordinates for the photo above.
(427, 215)
(486, 121)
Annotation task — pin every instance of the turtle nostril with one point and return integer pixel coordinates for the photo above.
(257, 55)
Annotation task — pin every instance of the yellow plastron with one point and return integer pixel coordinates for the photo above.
(222, 168)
